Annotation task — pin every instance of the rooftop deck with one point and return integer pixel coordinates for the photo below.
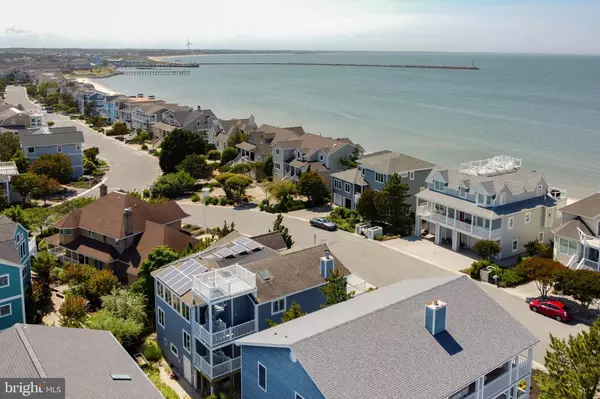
(225, 282)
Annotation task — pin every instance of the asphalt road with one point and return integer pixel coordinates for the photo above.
(130, 169)
(375, 263)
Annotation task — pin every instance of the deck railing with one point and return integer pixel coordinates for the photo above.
(219, 369)
(224, 282)
(226, 335)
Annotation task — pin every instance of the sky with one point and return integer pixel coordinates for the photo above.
(499, 26)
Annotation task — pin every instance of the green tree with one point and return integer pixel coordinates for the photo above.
(237, 137)
(160, 256)
(367, 205)
(196, 166)
(101, 282)
(69, 206)
(57, 166)
(313, 186)
(126, 305)
(173, 185)
(233, 184)
(32, 90)
(26, 184)
(73, 312)
(282, 190)
(228, 154)
(393, 206)
(43, 264)
(176, 146)
(336, 289)
(226, 229)
(78, 274)
(487, 249)
(278, 226)
(241, 168)
(545, 272)
(90, 108)
(582, 285)
(126, 331)
(46, 186)
(17, 215)
(214, 155)
(292, 313)
(119, 129)
(9, 145)
(573, 366)
(21, 160)
(268, 168)
(91, 154)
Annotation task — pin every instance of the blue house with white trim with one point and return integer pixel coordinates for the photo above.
(206, 301)
(400, 342)
(15, 271)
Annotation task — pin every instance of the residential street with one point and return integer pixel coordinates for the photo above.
(377, 263)
(130, 169)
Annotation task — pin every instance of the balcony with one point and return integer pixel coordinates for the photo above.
(224, 334)
(226, 282)
(32, 247)
(519, 371)
(588, 240)
(447, 218)
(218, 370)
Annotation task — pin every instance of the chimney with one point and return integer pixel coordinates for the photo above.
(251, 121)
(326, 264)
(103, 190)
(435, 316)
(128, 221)
(152, 97)
(198, 108)
(140, 95)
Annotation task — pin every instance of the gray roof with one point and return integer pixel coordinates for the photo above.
(85, 358)
(517, 181)
(588, 207)
(488, 213)
(185, 117)
(393, 162)
(7, 228)
(273, 240)
(8, 248)
(51, 136)
(570, 229)
(378, 346)
(351, 176)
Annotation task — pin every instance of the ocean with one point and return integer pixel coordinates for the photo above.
(544, 109)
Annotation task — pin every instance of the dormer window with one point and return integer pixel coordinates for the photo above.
(462, 192)
(439, 186)
(321, 158)
(538, 190)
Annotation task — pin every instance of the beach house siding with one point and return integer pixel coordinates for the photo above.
(333, 160)
(285, 378)
(309, 300)
(22, 245)
(172, 333)
(73, 151)
(278, 160)
(524, 232)
(11, 296)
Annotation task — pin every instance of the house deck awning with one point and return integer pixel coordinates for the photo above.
(164, 126)
(456, 203)
(93, 249)
(246, 146)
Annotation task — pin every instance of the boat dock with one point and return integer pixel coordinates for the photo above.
(468, 68)
(151, 72)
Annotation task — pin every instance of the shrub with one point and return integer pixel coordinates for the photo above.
(73, 312)
(151, 350)
(476, 268)
(487, 248)
(230, 202)
(144, 147)
(173, 185)
(214, 155)
(222, 201)
(126, 331)
(229, 154)
(57, 166)
(195, 198)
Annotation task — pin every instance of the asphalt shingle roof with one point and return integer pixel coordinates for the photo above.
(570, 229)
(85, 358)
(351, 176)
(8, 248)
(376, 345)
(588, 207)
(51, 136)
(393, 162)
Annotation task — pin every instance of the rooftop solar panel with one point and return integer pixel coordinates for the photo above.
(225, 252)
(246, 242)
(239, 249)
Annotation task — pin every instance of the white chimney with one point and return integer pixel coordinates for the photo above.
(435, 316)
(128, 221)
(326, 264)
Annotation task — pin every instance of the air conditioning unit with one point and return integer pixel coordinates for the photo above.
(373, 232)
(361, 227)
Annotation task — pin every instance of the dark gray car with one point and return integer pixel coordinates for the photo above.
(323, 223)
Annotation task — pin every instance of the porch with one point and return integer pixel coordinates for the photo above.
(218, 363)
(221, 332)
(226, 282)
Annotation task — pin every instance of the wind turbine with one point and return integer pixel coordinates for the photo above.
(188, 44)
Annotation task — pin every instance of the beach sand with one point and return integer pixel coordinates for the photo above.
(98, 86)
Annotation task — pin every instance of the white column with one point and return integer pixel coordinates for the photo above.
(232, 323)
(417, 225)
(455, 243)
(490, 235)
(437, 234)
(210, 325)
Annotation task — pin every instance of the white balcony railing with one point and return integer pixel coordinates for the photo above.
(32, 247)
(496, 233)
(588, 240)
(226, 335)
(496, 386)
(423, 210)
(219, 369)
(463, 226)
(224, 282)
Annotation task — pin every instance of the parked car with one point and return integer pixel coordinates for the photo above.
(323, 223)
(555, 309)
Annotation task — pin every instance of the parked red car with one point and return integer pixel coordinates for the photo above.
(555, 309)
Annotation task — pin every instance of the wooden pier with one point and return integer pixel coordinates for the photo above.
(159, 65)
(468, 68)
(152, 72)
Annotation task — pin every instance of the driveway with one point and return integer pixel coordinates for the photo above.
(130, 169)
(381, 263)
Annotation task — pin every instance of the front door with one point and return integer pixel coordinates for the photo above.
(347, 203)
(187, 369)
(81, 259)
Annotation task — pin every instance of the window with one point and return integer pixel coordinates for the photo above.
(481, 198)
(567, 247)
(278, 306)
(176, 302)
(337, 184)
(321, 158)
(511, 223)
(502, 198)
(362, 172)
(298, 396)
(103, 238)
(404, 174)
(59, 148)
(515, 245)
(262, 377)
(91, 234)
(411, 175)
(439, 186)
(30, 150)
(4, 281)
(160, 289)
(462, 192)
(277, 151)
(187, 343)
(67, 231)
(161, 317)
(5, 310)
(538, 190)
(169, 299)
(347, 187)
(24, 272)
(277, 165)
(174, 350)
(379, 177)
(541, 236)
(185, 311)
(527, 217)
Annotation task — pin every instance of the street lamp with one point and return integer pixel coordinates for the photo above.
(205, 192)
